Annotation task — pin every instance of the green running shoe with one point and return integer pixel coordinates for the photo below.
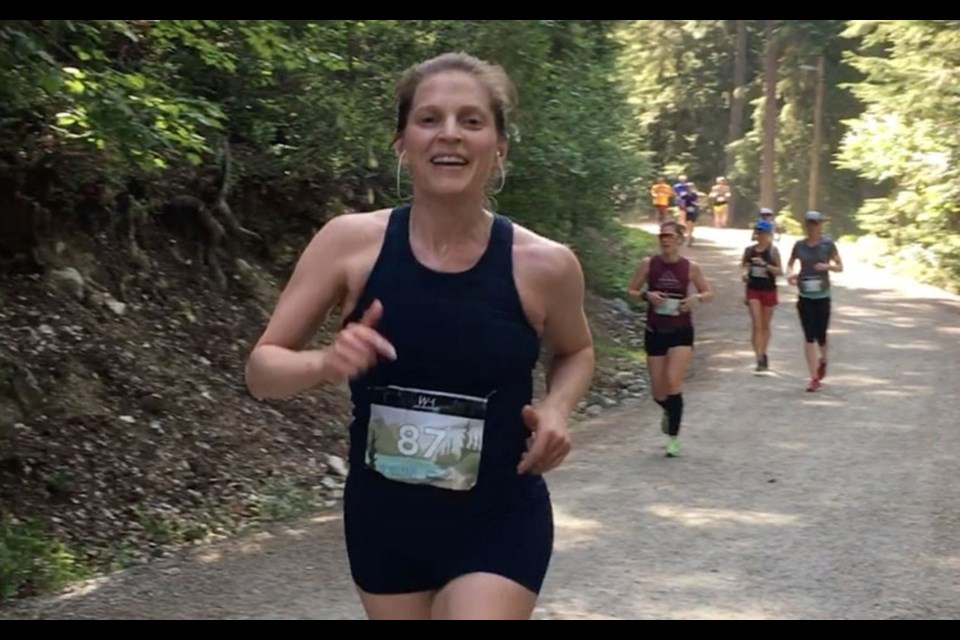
(673, 448)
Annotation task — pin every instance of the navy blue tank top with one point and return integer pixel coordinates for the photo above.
(461, 333)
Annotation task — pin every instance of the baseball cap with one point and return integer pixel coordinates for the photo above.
(813, 216)
(765, 211)
(764, 225)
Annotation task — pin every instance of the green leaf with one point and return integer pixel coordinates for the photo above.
(50, 82)
(135, 81)
(74, 86)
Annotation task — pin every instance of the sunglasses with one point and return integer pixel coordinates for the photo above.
(668, 235)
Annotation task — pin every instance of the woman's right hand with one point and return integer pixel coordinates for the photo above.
(656, 298)
(357, 347)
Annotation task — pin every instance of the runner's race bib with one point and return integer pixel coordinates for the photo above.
(811, 285)
(670, 307)
(757, 271)
(425, 437)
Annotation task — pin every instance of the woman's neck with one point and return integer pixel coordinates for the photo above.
(671, 255)
(440, 223)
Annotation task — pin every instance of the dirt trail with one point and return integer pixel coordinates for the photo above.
(783, 504)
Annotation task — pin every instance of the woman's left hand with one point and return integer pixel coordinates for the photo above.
(549, 441)
(687, 303)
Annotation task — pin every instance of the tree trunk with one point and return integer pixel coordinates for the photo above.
(737, 103)
(813, 196)
(768, 184)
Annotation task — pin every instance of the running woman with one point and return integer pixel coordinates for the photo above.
(818, 256)
(760, 267)
(691, 210)
(720, 196)
(663, 281)
(447, 514)
(661, 193)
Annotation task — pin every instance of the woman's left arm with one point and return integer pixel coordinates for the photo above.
(570, 371)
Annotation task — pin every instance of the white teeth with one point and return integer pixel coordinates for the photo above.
(448, 160)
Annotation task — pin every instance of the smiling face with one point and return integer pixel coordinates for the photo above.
(451, 140)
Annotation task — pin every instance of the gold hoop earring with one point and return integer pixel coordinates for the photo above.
(503, 174)
(399, 165)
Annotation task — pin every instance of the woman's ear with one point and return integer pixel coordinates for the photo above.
(398, 145)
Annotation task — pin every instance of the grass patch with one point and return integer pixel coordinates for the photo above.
(610, 257)
(33, 561)
(609, 349)
(282, 499)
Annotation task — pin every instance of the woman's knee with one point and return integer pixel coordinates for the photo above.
(484, 596)
(658, 389)
(407, 606)
(674, 383)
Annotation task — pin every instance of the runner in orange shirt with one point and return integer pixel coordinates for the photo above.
(662, 193)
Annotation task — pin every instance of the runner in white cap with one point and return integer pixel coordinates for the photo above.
(767, 214)
(818, 256)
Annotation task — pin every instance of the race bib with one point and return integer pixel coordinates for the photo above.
(758, 272)
(425, 437)
(670, 307)
(811, 285)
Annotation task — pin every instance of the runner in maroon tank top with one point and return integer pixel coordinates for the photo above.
(663, 280)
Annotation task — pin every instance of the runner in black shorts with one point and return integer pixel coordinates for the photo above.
(445, 305)
(691, 210)
(818, 256)
(664, 280)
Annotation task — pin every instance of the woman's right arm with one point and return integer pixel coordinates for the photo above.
(634, 289)
(278, 367)
(794, 257)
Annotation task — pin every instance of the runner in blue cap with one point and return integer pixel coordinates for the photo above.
(760, 267)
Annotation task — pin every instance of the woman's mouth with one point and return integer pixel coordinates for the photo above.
(449, 160)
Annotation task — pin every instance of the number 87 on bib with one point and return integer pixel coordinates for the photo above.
(425, 437)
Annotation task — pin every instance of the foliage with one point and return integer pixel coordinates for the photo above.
(907, 140)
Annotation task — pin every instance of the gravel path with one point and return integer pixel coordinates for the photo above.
(783, 504)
